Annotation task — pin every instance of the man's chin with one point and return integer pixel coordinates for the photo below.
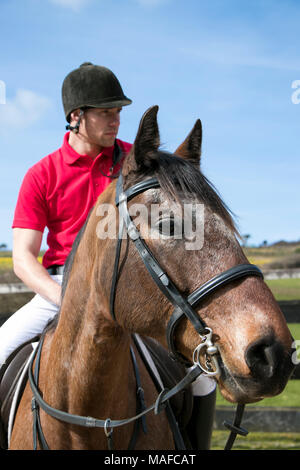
(108, 140)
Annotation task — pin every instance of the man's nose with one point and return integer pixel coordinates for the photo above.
(115, 120)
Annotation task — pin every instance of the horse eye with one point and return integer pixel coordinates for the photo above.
(166, 227)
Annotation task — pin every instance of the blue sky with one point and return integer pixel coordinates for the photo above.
(230, 63)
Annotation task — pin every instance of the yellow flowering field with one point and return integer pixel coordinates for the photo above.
(260, 261)
(7, 264)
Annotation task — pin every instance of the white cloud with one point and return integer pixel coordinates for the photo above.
(23, 110)
(75, 5)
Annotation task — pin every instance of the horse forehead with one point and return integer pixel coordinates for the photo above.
(213, 221)
(188, 208)
(158, 196)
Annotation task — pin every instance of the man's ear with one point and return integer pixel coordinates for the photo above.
(74, 116)
(143, 155)
(190, 149)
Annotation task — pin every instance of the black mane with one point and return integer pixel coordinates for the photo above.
(180, 178)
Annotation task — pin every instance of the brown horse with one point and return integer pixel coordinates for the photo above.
(86, 367)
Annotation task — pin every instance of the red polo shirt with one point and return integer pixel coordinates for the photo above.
(58, 192)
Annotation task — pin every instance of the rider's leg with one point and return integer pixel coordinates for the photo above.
(28, 322)
(200, 426)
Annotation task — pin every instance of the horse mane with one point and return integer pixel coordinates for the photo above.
(52, 324)
(181, 179)
(71, 256)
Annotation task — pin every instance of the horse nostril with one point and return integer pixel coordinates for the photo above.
(263, 357)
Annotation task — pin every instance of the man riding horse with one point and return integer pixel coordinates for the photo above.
(58, 192)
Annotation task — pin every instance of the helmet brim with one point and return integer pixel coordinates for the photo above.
(103, 105)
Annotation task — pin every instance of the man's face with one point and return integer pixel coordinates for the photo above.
(99, 126)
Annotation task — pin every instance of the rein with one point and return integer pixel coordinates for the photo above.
(183, 307)
(87, 421)
(117, 157)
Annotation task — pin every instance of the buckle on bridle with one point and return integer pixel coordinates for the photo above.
(109, 433)
(211, 367)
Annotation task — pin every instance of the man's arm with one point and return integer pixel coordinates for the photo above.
(26, 247)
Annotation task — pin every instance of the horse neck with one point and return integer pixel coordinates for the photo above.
(89, 366)
(89, 352)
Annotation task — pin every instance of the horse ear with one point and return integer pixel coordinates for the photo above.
(190, 149)
(144, 153)
(147, 139)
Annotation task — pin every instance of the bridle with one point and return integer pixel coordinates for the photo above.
(183, 307)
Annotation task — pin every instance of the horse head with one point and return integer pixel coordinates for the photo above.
(190, 231)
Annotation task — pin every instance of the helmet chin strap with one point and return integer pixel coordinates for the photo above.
(75, 128)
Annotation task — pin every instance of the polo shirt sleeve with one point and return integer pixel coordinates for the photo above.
(31, 209)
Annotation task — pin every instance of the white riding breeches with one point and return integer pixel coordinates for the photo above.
(28, 322)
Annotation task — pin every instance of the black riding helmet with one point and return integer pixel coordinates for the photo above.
(92, 86)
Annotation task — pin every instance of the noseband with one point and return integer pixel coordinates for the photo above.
(183, 306)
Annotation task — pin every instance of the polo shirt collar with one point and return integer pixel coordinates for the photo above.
(71, 156)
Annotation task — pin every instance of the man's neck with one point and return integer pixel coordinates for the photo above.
(82, 146)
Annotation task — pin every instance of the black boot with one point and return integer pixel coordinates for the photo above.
(3, 436)
(3, 433)
(200, 426)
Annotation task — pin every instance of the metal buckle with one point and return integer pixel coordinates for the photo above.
(211, 368)
(108, 432)
(122, 198)
(133, 232)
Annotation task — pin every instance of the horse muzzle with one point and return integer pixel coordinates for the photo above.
(270, 367)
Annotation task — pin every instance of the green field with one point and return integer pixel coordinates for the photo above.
(285, 289)
(258, 441)
(289, 397)
(295, 330)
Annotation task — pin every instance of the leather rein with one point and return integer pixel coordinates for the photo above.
(183, 307)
